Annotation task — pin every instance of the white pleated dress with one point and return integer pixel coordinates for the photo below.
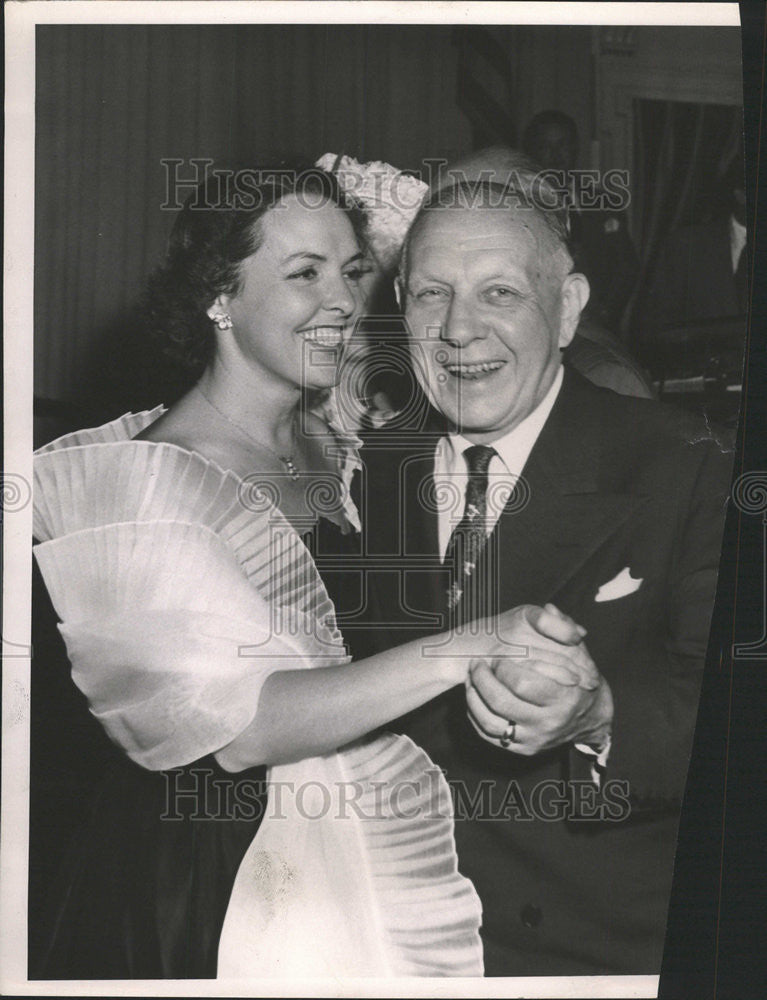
(180, 588)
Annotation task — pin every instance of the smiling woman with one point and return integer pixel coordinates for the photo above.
(224, 251)
(298, 295)
(175, 545)
(263, 299)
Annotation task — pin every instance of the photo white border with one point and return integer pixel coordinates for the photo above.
(20, 21)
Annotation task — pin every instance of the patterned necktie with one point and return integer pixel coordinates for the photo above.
(466, 599)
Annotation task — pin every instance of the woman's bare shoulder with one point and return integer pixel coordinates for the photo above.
(169, 429)
(182, 425)
(185, 426)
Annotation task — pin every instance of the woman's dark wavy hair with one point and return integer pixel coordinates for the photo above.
(218, 227)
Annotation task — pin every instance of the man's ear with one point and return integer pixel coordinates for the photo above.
(574, 296)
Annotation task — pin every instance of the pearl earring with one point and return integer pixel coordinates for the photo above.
(222, 320)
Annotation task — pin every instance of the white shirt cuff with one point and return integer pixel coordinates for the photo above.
(599, 761)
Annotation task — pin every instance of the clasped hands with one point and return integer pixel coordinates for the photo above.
(552, 695)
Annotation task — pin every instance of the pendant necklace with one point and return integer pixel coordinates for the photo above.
(287, 460)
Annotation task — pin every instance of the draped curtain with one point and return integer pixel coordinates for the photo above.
(682, 150)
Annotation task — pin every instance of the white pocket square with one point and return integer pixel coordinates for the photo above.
(620, 586)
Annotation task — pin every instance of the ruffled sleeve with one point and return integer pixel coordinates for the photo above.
(167, 640)
(177, 598)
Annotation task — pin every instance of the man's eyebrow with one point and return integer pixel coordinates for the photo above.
(512, 272)
(503, 275)
(428, 276)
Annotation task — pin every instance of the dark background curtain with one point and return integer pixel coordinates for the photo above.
(682, 151)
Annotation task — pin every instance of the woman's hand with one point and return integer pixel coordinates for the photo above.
(545, 640)
(539, 688)
(555, 624)
(528, 649)
(524, 638)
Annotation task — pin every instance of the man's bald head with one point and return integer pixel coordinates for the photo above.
(500, 179)
(495, 164)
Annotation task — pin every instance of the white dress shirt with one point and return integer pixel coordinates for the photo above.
(513, 450)
(451, 472)
(737, 241)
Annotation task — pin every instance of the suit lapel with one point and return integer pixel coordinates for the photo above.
(543, 537)
(563, 511)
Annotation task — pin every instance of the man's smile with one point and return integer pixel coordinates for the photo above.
(473, 370)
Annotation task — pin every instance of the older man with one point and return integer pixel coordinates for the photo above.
(593, 351)
(523, 483)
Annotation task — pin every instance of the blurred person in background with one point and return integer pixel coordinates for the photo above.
(599, 236)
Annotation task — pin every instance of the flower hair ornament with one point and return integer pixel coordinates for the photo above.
(389, 198)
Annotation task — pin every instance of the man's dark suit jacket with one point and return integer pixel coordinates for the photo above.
(571, 881)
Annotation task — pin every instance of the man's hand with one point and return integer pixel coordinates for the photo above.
(547, 637)
(552, 696)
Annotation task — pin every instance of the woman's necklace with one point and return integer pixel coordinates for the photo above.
(287, 460)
